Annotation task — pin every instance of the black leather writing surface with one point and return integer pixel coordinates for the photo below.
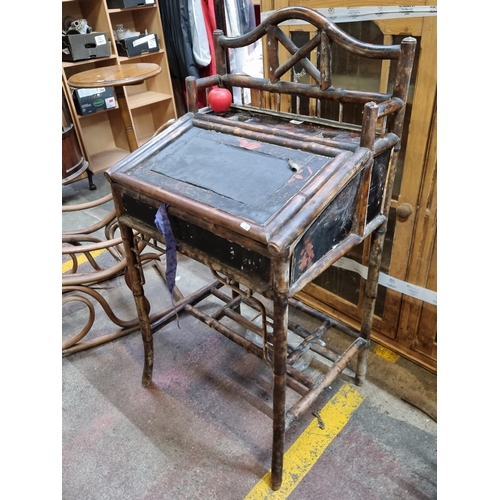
(244, 175)
(241, 176)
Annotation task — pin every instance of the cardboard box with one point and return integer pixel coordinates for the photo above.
(89, 46)
(137, 45)
(89, 101)
(124, 4)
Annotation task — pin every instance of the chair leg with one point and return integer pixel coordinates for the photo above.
(90, 176)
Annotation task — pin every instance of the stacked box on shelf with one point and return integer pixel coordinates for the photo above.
(138, 45)
(85, 46)
(88, 101)
(125, 4)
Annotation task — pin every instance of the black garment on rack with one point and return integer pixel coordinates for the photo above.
(246, 15)
(176, 30)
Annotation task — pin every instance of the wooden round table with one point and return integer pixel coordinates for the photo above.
(117, 77)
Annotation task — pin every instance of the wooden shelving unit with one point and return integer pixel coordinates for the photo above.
(101, 134)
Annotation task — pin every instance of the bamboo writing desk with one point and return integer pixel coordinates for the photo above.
(268, 200)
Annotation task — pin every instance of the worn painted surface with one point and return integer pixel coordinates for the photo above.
(329, 229)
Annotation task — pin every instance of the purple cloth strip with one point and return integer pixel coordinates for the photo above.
(163, 224)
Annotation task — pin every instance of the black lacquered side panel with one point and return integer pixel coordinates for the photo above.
(377, 184)
(330, 228)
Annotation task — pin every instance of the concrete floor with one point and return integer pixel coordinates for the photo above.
(203, 429)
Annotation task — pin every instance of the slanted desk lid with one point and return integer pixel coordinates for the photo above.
(246, 171)
(241, 176)
(234, 178)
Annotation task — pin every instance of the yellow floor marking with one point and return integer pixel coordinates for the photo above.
(310, 445)
(80, 259)
(386, 354)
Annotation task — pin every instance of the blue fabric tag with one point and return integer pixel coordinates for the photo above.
(163, 224)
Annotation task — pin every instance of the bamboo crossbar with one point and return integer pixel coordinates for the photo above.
(298, 409)
(304, 89)
(337, 35)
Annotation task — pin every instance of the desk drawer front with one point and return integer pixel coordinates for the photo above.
(247, 262)
(143, 212)
(204, 245)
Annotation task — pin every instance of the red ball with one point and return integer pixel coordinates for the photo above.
(220, 99)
